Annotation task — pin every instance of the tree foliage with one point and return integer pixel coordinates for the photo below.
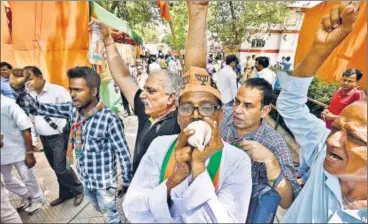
(179, 17)
(232, 22)
(143, 16)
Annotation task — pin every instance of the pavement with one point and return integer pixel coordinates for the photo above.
(67, 212)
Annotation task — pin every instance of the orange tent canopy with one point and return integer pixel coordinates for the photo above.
(351, 53)
(51, 35)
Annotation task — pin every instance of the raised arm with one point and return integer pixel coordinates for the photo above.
(30, 105)
(196, 45)
(118, 68)
(308, 130)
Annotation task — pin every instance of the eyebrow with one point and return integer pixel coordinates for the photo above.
(355, 133)
(244, 102)
(71, 88)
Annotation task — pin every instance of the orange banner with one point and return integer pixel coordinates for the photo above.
(351, 53)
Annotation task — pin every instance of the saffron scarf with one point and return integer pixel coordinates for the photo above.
(75, 136)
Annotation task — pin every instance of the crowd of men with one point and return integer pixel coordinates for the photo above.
(169, 180)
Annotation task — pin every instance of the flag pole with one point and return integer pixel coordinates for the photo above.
(176, 45)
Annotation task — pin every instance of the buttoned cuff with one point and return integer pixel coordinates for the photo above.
(200, 191)
(294, 85)
(158, 202)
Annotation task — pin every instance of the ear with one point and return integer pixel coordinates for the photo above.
(265, 111)
(172, 99)
(94, 92)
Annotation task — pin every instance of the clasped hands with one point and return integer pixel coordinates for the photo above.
(190, 160)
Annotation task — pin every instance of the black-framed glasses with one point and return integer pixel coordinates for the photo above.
(206, 110)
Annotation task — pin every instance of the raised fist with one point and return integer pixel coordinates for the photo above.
(18, 78)
(336, 26)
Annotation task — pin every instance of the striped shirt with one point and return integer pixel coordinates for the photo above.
(102, 139)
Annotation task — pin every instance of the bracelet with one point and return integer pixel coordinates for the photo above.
(29, 152)
(274, 183)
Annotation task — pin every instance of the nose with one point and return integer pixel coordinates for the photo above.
(195, 114)
(72, 94)
(337, 139)
(237, 108)
(143, 94)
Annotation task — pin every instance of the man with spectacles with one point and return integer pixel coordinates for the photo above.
(245, 126)
(176, 182)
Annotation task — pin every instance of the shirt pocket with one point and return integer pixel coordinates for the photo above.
(95, 142)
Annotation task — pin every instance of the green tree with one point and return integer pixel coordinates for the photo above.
(142, 16)
(232, 22)
(179, 18)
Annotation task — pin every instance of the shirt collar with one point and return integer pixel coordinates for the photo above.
(333, 183)
(45, 89)
(3, 79)
(350, 92)
(250, 136)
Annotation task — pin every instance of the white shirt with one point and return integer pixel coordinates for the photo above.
(226, 82)
(154, 66)
(193, 201)
(268, 75)
(173, 67)
(13, 121)
(51, 94)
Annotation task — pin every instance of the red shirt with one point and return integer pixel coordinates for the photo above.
(341, 100)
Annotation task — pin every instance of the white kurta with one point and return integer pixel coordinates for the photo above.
(194, 201)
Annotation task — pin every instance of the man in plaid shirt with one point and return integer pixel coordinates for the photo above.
(244, 125)
(96, 137)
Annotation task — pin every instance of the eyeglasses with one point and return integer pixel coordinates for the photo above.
(203, 110)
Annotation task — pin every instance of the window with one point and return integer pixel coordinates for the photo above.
(258, 43)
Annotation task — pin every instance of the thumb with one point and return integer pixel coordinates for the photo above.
(245, 142)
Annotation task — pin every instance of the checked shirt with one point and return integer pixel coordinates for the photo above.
(268, 137)
(102, 139)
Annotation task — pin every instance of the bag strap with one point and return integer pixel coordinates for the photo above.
(168, 165)
(51, 123)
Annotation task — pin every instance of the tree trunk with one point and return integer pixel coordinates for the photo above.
(233, 19)
(113, 6)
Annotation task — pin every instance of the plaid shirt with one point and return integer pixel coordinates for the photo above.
(102, 137)
(271, 140)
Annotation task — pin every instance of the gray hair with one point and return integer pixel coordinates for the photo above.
(171, 82)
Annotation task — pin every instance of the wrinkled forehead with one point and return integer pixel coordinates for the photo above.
(155, 81)
(355, 115)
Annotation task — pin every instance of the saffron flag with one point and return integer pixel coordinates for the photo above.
(164, 8)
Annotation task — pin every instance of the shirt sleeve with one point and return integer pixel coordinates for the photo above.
(360, 95)
(233, 86)
(228, 205)
(309, 131)
(31, 106)
(120, 146)
(139, 105)
(285, 160)
(19, 117)
(146, 199)
(64, 96)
